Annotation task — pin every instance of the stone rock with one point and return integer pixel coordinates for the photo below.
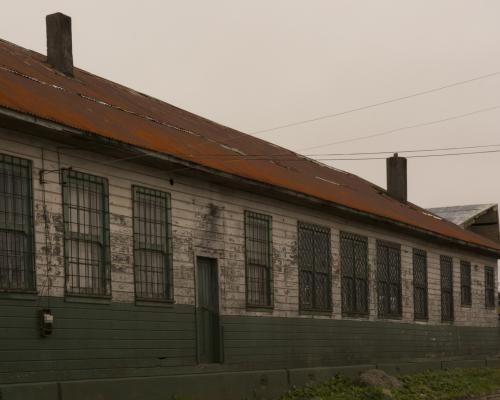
(379, 378)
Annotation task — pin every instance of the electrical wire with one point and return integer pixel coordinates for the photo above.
(258, 133)
(297, 159)
(300, 157)
(403, 128)
(289, 154)
(293, 156)
(406, 151)
(337, 114)
(364, 158)
(169, 173)
(411, 156)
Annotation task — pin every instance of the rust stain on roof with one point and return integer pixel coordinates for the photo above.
(94, 104)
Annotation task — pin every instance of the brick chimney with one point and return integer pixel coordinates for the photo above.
(59, 43)
(396, 177)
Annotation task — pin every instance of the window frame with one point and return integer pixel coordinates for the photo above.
(314, 308)
(69, 176)
(487, 289)
(29, 284)
(353, 239)
(168, 292)
(269, 301)
(443, 259)
(384, 308)
(423, 287)
(465, 283)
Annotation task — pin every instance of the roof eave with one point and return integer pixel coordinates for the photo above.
(55, 126)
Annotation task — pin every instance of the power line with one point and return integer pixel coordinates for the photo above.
(300, 157)
(288, 155)
(406, 151)
(327, 116)
(383, 133)
(167, 173)
(303, 158)
(413, 156)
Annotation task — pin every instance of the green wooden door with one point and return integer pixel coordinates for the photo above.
(208, 325)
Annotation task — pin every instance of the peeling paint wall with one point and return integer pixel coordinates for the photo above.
(208, 220)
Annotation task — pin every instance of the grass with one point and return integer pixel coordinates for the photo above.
(431, 385)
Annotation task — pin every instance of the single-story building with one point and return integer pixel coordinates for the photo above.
(147, 252)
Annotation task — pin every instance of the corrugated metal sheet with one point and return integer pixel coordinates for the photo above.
(461, 215)
(90, 103)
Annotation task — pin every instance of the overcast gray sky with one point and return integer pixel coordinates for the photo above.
(255, 64)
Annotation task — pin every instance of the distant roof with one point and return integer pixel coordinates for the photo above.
(462, 215)
(94, 105)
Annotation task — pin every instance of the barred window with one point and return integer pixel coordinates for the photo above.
(420, 284)
(389, 279)
(314, 267)
(446, 288)
(16, 225)
(258, 259)
(354, 269)
(465, 283)
(489, 287)
(86, 234)
(152, 244)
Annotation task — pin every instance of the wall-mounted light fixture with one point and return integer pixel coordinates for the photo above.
(46, 322)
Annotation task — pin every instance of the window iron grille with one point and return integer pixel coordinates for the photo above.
(465, 283)
(389, 279)
(447, 313)
(86, 234)
(16, 225)
(354, 270)
(420, 292)
(258, 259)
(152, 244)
(314, 267)
(489, 287)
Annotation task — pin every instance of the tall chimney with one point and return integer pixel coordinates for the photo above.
(59, 46)
(396, 177)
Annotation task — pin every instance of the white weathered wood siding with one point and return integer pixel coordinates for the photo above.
(208, 220)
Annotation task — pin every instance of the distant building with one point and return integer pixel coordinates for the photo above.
(478, 218)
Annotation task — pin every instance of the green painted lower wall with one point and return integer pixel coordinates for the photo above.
(306, 342)
(106, 348)
(92, 341)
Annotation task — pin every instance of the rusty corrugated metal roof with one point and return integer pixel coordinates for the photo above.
(94, 104)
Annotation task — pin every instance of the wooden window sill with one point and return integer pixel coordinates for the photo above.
(326, 313)
(154, 303)
(268, 309)
(18, 295)
(70, 298)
